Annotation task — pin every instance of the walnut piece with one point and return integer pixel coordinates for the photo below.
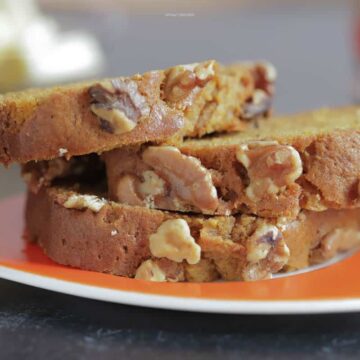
(118, 104)
(62, 151)
(150, 271)
(152, 185)
(131, 191)
(271, 167)
(189, 180)
(174, 271)
(258, 105)
(173, 241)
(260, 102)
(265, 75)
(126, 191)
(184, 81)
(116, 120)
(92, 202)
(260, 243)
(267, 252)
(255, 272)
(160, 270)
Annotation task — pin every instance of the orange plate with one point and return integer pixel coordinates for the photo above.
(332, 289)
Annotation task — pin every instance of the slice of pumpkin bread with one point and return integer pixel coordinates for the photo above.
(158, 106)
(307, 161)
(88, 232)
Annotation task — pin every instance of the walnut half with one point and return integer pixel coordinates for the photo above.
(188, 179)
(160, 270)
(267, 253)
(173, 241)
(118, 104)
(149, 270)
(184, 81)
(260, 102)
(260, 243)
(80, 202)
(271, 167)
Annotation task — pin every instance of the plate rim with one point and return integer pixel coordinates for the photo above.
(343, 302)
(170, 302)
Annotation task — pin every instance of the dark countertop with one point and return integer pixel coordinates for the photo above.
(38, 324)
(311, 49)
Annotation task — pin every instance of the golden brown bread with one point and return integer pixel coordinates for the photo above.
(307, 161)
(269, 172)
(158, 106)
(91, 233)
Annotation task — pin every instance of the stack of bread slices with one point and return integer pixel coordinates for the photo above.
(183, 175)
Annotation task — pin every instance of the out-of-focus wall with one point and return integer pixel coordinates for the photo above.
(309, 45)
(146, 6)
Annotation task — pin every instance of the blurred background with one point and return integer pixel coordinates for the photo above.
(313, 44)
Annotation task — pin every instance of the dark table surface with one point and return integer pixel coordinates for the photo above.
(36, 324)
(311, 48)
